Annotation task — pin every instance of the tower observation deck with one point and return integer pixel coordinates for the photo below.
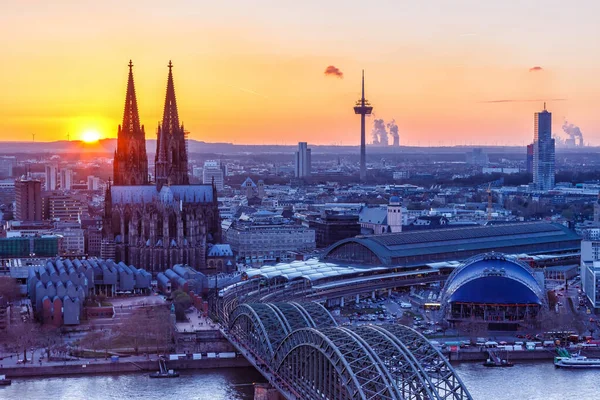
(363, 107)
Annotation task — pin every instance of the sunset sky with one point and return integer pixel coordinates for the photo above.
(253, 71)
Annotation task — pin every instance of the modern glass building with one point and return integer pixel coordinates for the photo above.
(543, 151)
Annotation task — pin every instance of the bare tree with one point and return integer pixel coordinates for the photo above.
(24, 335)
(9, 289)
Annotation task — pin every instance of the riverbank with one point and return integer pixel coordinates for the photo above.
(124, 365)
(472, 355)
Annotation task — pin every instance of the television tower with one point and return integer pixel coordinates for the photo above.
(363, 107)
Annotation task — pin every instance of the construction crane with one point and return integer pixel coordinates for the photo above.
(489, 205)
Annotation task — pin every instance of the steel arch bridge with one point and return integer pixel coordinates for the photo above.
(313, 358)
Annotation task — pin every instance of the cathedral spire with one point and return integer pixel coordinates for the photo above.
(170, 121)
(131, 117)
(171, 152)
(130, 165)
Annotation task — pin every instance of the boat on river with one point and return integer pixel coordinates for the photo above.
(576, 361)
(568, 360)
(4, 381)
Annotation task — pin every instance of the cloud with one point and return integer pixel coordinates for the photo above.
(333, 71)
(519, 100)
(247, 91)
(536, 69)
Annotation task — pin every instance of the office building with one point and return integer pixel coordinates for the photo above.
(62, 207)
(478, 157)
(590, 266)
(332, 227)
(7, 192)
(66, 179)
(543, 151)
(93, 183)
(7, 163)
(529, 159)
(266, 237)
(303, 168)
(51, 177)
(213, 172)
(28, 196)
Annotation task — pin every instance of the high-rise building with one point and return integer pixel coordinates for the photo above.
(7, 192)
(7, 164)
(303, 161)
(543, 151)
(529, 159)
(66, 179)
(28, 193)
(478, 157)
(51, 177)
(93, 183)
(213, 173)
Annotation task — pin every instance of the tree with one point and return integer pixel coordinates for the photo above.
(182, 302)
(146, 327)
(9, 289)
(49, 337)
(24, 335)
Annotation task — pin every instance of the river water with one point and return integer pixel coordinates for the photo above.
(525, 381)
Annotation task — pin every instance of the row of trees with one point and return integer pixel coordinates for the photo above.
(146, 329)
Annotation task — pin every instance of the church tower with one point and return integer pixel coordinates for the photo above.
(130, 165)
(171, 153)
(394, 215)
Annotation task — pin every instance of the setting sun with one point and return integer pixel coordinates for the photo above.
(90, 136)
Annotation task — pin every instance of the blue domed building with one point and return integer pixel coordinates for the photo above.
(493, 289)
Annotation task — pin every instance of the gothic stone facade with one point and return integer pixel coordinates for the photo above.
(154, 226)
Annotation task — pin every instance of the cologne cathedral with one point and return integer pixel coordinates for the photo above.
(155, 225)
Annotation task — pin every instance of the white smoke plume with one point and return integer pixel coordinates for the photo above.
(393, 128)
(379, 133)
(574, 133)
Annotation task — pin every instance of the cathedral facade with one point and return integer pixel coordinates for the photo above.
(155, 225)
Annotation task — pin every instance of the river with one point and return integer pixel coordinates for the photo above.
(525, 381)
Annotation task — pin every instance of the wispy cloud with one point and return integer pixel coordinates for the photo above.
(519, 100)
(249, 91)
(536, 69)
(333, 71)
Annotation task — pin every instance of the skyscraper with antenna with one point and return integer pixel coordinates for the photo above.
(363, 107)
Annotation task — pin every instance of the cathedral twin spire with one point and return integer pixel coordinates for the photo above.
(131, 162)
(171, 152)
(130, 166)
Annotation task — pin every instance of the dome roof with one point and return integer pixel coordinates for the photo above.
(493, 279)
(394, 200)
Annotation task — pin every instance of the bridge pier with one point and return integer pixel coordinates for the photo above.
(357, 301)
(342, 302)
(264, 391)
(373, 295)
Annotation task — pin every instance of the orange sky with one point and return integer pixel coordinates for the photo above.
(253, 73)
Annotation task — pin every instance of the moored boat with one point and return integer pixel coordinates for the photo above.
(4, 381)
(576, 361)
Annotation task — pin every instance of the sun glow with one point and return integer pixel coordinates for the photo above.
(90, 136)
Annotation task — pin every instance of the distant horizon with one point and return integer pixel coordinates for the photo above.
(370, 145)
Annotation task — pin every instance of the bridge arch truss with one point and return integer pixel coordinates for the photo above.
(301, 344)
